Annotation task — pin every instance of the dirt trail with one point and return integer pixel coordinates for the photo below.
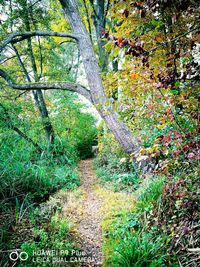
(90, 225)
(90, 208)
(83, 208)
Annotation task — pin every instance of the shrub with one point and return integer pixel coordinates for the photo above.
(127, 239)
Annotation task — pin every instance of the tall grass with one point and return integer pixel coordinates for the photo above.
(23, 172)
(141, 249)
(129, 242)
(150, 192)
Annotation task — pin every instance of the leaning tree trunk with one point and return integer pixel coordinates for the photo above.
(99, 99)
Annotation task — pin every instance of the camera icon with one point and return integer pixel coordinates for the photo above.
(15, 255)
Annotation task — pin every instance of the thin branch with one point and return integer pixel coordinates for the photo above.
(20, 36)
(6, 59)
(77, 88)
(93, 8)
(41, 58)
(66, 41)
(175, 118)
(34, 4)
(21, 64)
(23, 93)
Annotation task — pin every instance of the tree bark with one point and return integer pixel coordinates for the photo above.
(99, 22)
(39, 100)
(99, 99)
(38, 95)
(76, 88)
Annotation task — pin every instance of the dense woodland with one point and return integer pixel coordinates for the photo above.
(116, 82)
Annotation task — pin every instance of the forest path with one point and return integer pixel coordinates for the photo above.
(84, 209)
(92, 208)
(90, 225)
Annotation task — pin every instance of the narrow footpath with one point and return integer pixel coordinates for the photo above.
(90, 207)
(90, 225)
(83, 208)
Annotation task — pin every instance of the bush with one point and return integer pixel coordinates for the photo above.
(150, 193)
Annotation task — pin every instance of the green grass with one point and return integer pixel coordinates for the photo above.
(150, 192)
(23, 172)
(54, 235)
(128, 181)
(26, 180)
(127, 242)
(140, 249)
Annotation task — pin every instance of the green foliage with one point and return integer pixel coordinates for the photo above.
(140, 249)
(40, 228)
(113, 166)
(149, 193)
(109, 150)
(54, 235)
(24, 171)
(153, 85)
(49, 232)
(129, 240)
(75, 123)
(119, 181)
(29, 176)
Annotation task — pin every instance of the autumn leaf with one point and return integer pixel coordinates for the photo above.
(134, 75)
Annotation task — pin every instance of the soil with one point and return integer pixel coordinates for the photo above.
(90, 228)
(86, 215)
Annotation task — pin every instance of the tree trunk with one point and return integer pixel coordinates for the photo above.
(99, 99)
(99, 25)
(39, 101)
(38, 95)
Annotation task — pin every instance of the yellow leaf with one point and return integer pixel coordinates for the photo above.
(142, 152)
(161, 126)
(134, 75)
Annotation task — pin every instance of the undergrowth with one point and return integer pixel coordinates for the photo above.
(27, 180)
(126, 239)
(115, 169)
(24, 171)
(43, 230)
(162, 227)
